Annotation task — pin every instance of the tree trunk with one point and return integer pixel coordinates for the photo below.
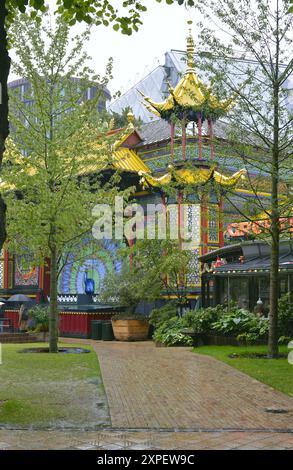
(4, 126)
(53, 320)
(273, 349)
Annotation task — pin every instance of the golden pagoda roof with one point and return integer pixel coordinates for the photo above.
(192, 176)
(105, 156)
(189, 94)
(123, 159)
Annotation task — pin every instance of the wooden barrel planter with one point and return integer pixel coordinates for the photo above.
(130, 330)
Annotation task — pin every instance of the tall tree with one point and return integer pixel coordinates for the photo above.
(259, 32)
(126, 18)
(53, 166)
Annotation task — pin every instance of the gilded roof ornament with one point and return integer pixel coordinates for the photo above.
(190, 98)
(190, 51)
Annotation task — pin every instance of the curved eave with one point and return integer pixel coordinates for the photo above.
(192, 177)
(229, 181)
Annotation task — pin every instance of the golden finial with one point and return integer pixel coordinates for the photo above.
(190, 50)
(130, 117)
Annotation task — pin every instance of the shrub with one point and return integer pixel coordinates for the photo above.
(169, 333)
(241, 322)
(201, 321)
(40, 314)
(160, 315)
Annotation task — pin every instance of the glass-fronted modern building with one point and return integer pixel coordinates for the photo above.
(22, 85)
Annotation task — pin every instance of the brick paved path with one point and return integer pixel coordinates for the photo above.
(173, 388)
(171, 398)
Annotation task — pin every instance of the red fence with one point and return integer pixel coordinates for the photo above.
(75, 324)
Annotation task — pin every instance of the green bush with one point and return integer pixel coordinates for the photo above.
(40, 314)
(201, 321)
(160, 315)
(241, 322)
(169, 333)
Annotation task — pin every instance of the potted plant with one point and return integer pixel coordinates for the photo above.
(128, 288)
(130, 327)
(149, 268)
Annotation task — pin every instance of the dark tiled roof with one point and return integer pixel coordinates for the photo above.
(156, 131)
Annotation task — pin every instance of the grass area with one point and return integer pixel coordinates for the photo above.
(59, 390)
(277, 373)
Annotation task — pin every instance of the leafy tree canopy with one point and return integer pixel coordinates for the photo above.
(126, 18)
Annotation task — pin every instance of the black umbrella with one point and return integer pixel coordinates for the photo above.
(19, 298)
(3, 300)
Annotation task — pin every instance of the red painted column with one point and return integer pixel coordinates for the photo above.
(211, 137)
(172, 140)
(199, 126)
(221, 224)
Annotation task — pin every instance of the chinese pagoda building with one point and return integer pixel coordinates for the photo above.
(167, 165)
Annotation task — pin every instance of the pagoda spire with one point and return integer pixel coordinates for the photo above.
(190, 50)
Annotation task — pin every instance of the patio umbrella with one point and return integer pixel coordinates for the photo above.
(19, 298)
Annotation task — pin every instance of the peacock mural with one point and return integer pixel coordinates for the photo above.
(86, 269)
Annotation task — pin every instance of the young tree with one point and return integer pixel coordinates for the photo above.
(126, 18)
(53, 167)
(259, 127)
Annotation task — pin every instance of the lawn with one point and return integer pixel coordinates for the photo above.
(277, 373)
(55, 390)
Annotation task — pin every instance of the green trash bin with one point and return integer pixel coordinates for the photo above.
(107, 331)
(96, 327)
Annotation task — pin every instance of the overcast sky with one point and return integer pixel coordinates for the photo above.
(164, 28)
